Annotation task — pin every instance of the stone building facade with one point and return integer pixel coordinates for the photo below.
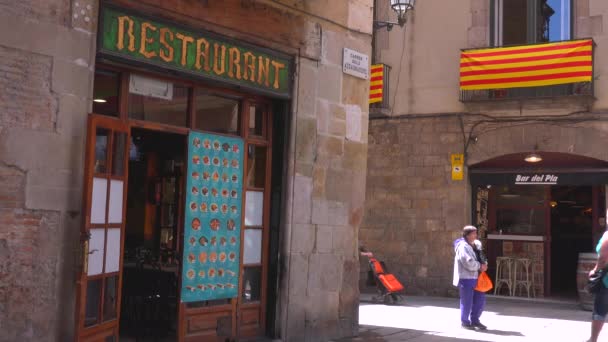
(414, 209)
(48, 51)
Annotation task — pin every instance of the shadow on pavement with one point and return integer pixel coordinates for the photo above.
(501, 333)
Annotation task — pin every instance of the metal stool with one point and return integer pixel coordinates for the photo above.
(504, 274)
(524, 276)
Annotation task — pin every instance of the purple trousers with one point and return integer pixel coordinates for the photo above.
(471, 302)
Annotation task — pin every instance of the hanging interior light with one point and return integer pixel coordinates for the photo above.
(533, 158)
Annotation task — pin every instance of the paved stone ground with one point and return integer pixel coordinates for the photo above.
(429, 319)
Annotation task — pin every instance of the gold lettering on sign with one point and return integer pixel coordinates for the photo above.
(277, 68)
(168, 53)
(145, 40)
(263, 70)
(249, 66)
(219, 63)
(235, 63)
(120, 44)
(202, 52)
(185, 41)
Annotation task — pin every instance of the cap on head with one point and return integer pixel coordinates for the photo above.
(468, 230)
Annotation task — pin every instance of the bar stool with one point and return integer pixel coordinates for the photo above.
(504, 274)
(524, 276)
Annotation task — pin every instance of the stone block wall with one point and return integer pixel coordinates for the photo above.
(413, 209)
(46, 54)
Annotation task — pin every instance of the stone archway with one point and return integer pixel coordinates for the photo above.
(549, 161)
(587, 140)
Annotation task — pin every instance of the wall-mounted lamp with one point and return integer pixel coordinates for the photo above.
(401, 7)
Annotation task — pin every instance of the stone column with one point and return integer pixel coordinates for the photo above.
(327, 168)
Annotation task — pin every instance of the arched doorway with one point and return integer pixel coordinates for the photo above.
(546, 211)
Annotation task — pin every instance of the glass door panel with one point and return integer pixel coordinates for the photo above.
(252, 247)
(92, 303)
(98, 201)
(110, 298)
(96, 252)
(254, 208)
(256, 120)
(256, 167)
(113, 250)
(252, 284)
(101, 150)
(115, 203)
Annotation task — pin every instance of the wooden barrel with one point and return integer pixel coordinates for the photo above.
(586, 262)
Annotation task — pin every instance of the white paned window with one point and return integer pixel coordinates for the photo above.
(113, 250)
(98, 201)
(254, 208)
(252, 250)
(116, 191)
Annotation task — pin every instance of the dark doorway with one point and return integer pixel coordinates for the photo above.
(151, 249)
(571, 234)
(280, 138)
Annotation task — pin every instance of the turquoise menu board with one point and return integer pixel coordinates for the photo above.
(212, 232)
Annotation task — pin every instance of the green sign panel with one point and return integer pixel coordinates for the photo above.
(150, 41)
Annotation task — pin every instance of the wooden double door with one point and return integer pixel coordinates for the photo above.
(102, 238)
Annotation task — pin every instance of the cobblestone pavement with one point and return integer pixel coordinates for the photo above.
(428, 319)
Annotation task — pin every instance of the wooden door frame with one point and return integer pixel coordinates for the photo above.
(110, 327)
(265, 140)
(548, 241)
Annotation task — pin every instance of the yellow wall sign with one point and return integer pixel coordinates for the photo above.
(457, 166)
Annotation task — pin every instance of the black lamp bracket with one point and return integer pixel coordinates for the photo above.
(389, 24)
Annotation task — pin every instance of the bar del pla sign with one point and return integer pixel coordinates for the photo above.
(134, 38)
(536, 179)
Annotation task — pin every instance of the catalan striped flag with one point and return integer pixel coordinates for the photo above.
(527, 66)
(376, 85)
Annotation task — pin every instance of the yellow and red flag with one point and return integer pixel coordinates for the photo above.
(376, 84)
(527, 66)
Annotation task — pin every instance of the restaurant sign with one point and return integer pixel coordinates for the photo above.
(196, 53)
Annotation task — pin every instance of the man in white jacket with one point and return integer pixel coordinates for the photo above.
(468, 262)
